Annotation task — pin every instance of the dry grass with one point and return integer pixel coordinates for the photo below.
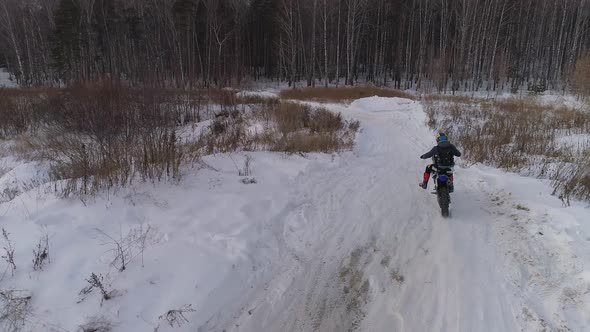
(22, 110)
(448, 98)
(226, 133)
(223, 97)
(253, 100)
(106, 138)
(286, 127)
(293, 128)
(581, 76)
(103, 136)
(573, 180)
(332, 94)
(100, 136)
(519, 135)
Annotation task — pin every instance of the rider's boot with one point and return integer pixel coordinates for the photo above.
(451, 184)
(424, 183)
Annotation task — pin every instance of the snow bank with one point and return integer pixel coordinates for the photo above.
(379, 104)
(263, 94)
(576, 142)
(208, 243)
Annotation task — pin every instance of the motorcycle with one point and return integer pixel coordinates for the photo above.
(442, 188)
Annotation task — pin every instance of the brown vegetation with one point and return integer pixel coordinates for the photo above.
(519, 135)
(581, 76)
(105, 136)
(456, 99)
(299, 128)
(333, 94)
(286, 127)
(102, 136)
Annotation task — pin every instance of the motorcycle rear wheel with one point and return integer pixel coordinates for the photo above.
(444, 200)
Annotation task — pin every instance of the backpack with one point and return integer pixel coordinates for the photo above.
(445, 157)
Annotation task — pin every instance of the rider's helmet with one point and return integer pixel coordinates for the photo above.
(441, 137)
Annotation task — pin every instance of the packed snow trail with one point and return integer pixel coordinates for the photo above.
(363, 246)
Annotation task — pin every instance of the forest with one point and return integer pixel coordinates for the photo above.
(446, 45)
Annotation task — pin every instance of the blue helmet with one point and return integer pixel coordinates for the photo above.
(441, 137)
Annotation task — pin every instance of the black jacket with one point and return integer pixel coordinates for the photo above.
(442, 145)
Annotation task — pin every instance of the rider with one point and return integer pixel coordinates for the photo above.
(443, 157)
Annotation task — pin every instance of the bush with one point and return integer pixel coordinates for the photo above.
(287, 127)
(102, 137)
(106, 136)
(22, 110)
(226, 133)
(175, 317)
(293, 128)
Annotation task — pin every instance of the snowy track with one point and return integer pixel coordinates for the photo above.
(319, 243)
(369, 210)
(365, 248)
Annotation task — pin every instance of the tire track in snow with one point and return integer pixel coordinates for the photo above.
(440, 274)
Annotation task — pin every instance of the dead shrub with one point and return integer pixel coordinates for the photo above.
(97, 282)
(223, 97)
(96, 324)
(9, 193)
(324, 121)
(15, 307)
(186, 106)
(26, 146)
(342, 93)
(289, 117)
(8, 252)
(303, 142)
(254, 99)
(226, 133)
(175, 317)
(103, 137)
(246, 169)
(572, 180)
(294, 128)
(21, 110)
(448, 98)
(287, 127)
(41, 253)
(125, 248)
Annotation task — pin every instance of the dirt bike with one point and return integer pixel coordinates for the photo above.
(442, 188)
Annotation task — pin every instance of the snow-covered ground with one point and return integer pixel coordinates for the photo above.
(5, 79)
(318, 243)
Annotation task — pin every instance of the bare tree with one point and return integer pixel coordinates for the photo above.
(8, 251)
(457, 45)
